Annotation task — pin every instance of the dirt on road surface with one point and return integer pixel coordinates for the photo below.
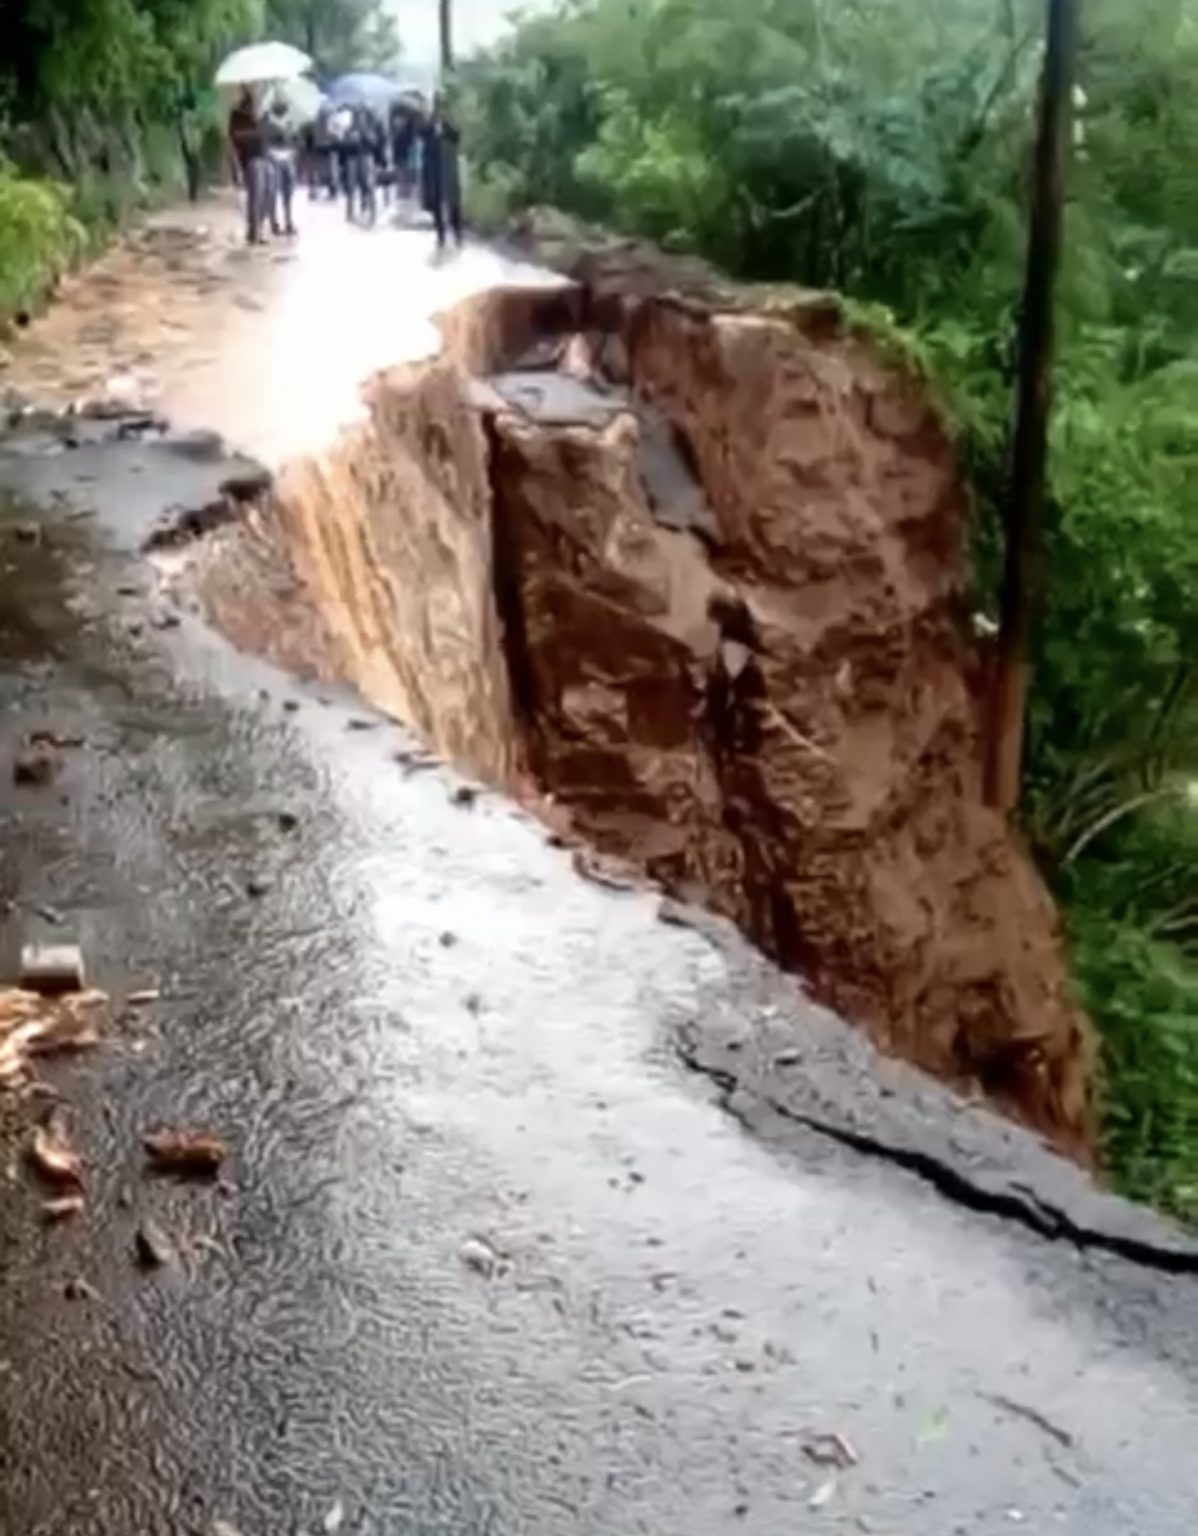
(487, 1254)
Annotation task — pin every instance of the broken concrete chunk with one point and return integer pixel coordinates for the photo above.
(186, 1152)
(52, 968)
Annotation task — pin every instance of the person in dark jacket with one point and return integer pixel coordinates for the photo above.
(247, 142)
(441, 173)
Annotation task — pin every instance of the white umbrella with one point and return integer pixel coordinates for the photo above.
(302, 97)
(262, 63)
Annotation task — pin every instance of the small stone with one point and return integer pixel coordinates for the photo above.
(257, 887)
(287, 821)
(291, 705)
(35, 765)
(80, 1290)
(448, 940)
(480, 1257)
(465, 794)
(166, 620)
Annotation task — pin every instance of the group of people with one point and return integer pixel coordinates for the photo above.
(348, 151)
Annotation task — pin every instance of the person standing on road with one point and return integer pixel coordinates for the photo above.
(248, 146)
(441, 173)
(404, 124)
(281, 149)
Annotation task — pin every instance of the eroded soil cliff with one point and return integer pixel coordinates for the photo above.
(687, 565)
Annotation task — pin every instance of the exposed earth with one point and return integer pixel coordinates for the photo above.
(551, 1206)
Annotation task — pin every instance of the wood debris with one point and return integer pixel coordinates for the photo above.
(198, 1153)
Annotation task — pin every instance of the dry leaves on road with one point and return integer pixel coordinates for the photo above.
(198, 1153)
(63, 1208)
(53, 1155)
(32, 1025)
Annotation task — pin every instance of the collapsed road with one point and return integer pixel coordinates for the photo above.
(487, 1255)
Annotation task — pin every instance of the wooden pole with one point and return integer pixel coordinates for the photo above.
(445, 8)
(1033, 404)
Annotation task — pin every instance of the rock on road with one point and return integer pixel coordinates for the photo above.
(488, 1259)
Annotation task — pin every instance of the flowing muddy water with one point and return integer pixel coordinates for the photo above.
(269, 346)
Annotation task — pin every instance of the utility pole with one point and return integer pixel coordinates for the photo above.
(445, 11)
(1033, 404)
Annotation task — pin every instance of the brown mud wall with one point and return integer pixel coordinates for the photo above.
(767, 701)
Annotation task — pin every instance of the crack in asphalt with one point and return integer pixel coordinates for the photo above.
(1019, 1203)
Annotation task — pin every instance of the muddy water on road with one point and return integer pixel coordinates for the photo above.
(268, 346)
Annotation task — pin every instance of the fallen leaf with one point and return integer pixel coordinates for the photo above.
(54, 1157)
(153, 1247)
(62, 1209)
(186, 1152)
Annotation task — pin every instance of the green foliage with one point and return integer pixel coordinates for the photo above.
(95, 96)
(38, 239)
(339, 34)
(881, 147)
(1146, 995)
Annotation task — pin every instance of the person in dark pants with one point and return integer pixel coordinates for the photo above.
(248, 144)
(441, 174)
(404, 126)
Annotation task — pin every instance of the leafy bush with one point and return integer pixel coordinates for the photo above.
(39, 238)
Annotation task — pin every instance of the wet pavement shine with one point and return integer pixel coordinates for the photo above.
(488, 1258)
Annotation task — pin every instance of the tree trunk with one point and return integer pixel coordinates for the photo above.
(1025, 506)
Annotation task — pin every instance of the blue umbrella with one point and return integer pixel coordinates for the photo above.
(362, 89)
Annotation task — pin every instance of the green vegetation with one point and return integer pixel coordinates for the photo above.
(881, 147)
(97, 95)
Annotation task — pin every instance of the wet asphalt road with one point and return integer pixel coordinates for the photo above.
(428, 1028)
